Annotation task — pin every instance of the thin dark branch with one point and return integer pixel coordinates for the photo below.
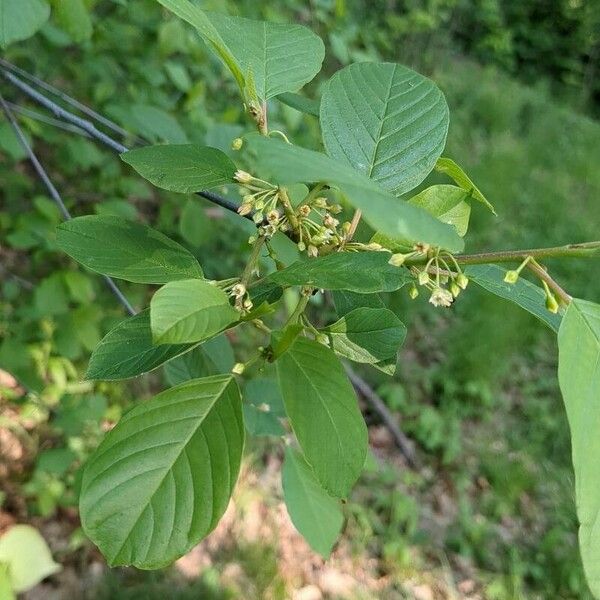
(91, 129)
(61, 113)
(32, 114)
(86, 110)
(41, 172)
(403, 443)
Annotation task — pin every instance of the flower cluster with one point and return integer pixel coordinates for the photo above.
(313, 224)
(317, 225)
(437, 276)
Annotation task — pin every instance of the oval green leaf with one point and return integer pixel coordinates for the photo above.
(278, 57)
(126, 250)
(323, 412)
(189, 311)
(162, 478)
(185, 168)
(367, 335)
(385, 120)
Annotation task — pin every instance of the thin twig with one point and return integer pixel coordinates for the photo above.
(584, 250)
(90, 128)
(86, 110)
(41, 172)
(403, 443)
(32, 114)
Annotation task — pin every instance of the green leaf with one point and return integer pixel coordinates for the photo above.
(213, 357)
(74, 18)
(127, 351)
(579, 379)
(523, 293)
(447, 203)
(6, 589)
(367, 335)
(20, 19)
(192, 310)
(361, 272)
(280, 57)
(266, 59)
(346, 301)
(314, 513)
(323, 412)
(27, 556)
(162, 478)
(289, 164)
(455, 172)
(385, 120)
(184, 168)
(303, 104)
(263, 407)
(199, 20)
(126, 250)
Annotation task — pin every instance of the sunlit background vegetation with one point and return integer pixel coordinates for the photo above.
(490, 514)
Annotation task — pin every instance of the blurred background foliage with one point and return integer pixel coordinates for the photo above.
(491, 513)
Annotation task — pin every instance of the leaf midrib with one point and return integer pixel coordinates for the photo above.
(169, 469)
(335, 428)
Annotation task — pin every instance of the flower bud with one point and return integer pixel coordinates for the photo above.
(423, 278)
(320, 202)
(413, 292)
(245, 208)
(336, 209)
(247, 304)
(252, 239)
(312, 251)
(455, 289)
(374, 246)
(243, 177)
(462, 281)
(238, 368)
(397, 260)
(301, 246)
(511, 277)
(258, 217)
(237, 144)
